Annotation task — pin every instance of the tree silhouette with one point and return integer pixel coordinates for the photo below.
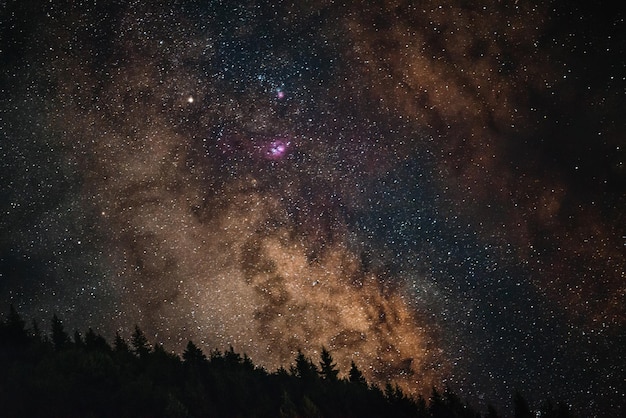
(78, 339)
(421, 407)
(548, 410)
(521, 407)
(36, 330)
(95, 342)
(231, 357)
(15, 322)
(194, 356)
(140, 344)
(14, 328)
(355, 375)
(119, 344)
(304, 368)
(88, 378)
(328, 369)
(437, 405)
(60, 338)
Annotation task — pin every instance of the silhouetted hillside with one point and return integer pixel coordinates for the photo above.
(59, 375)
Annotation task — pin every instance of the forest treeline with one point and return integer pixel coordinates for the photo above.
(55, 374)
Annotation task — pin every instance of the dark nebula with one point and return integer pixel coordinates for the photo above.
(435, 190)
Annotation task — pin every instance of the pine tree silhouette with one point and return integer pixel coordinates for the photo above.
(521, 407)
(304, 368)
(36, 331)
(119, 344)
(328, 369)
(194, 356)
(60, 338)
(95, 342)
(140, 344)
(14, 328)
(78, 339)
(355, 375)
(88, 378)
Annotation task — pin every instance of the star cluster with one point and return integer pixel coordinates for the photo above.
(434, 191)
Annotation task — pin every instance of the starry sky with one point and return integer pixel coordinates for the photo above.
(432, 189)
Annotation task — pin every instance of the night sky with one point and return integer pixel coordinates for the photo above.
(432, 189)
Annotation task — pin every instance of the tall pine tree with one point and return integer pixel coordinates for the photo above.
(328, 369)
(140, 344)
(60, 338)
(355, 375)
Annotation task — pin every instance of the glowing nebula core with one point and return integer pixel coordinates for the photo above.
(276, 149)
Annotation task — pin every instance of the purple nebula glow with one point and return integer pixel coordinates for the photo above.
(276, 149)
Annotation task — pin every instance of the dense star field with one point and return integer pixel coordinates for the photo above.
(432, 189)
